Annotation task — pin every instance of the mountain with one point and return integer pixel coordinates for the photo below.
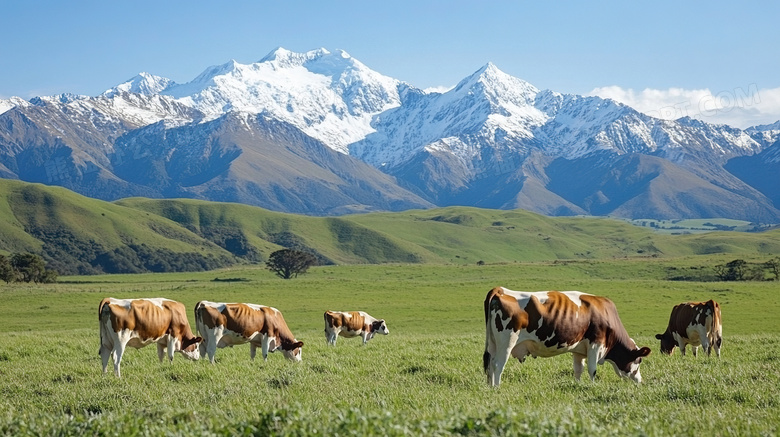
(257, 160)
(761, 171)
(321, 133)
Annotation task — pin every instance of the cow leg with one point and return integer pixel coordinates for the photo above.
(706, 344)
(365, 335)
(695, 350)
(716, 344)
(579, 365)
(265, 346)
(496, 367)
(595, 353)
(171, 348)
(119, 350)
(160, 352)
(682, 346)
(330, 337)
(252, 351)
(499, 359)
(105, 354)
(214, 337)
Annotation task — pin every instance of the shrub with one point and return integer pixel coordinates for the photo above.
(288, 263)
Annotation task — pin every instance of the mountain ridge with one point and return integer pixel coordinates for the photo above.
(438, 148)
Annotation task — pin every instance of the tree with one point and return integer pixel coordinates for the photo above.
(7, 273)
(732, 271)
(774, 266)
(29, 267)
(288, 263)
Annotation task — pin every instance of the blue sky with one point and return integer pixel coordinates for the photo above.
(665, 58)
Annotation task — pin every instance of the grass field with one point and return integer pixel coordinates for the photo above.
(425, 378)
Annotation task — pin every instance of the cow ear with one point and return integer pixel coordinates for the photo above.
(198, 340)
(659, 336)
(297, 344)
(645, 351)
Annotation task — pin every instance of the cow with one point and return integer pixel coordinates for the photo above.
(550, 323)
(228, 324)
(351, 324)
(694, 323)
(140, 322)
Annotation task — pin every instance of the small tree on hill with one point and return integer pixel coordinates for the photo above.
(288, 263)
(732, 271)
(774, 266)
(30, 267)
(7, 273)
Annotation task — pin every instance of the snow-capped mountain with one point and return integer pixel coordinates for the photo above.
(330, 96)
(144, 83)
(493, 140)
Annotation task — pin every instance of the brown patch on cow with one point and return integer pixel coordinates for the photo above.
(211, 317)
(149, 321)
(143, 317)
(355, 323)
(332, 319)
(507, 310)
(562, 321)
(180, 326)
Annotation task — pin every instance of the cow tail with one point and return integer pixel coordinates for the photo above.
(198, 317)
(488, 332)
(716, 326)
(103, 303)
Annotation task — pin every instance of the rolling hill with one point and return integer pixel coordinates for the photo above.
(77, 234)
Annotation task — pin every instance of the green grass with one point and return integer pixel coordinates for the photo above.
(425, 378)
(456, 235)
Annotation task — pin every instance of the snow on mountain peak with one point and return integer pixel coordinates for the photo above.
(286, 58)
(143, 83)
(497, 85)
(6, 105)
(330, 96)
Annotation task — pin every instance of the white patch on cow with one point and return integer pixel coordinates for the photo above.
(219, 306)
(523, 297)
(125, 303)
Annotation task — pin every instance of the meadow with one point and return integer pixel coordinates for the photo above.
(425, 378)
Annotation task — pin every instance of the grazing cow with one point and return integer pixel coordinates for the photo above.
(140, 322)
(228, 324)
(351, 324)
(694, 323)
(549, 323)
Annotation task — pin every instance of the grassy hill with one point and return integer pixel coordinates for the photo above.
(77, 234)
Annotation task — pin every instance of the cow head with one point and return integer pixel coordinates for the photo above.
(626, 362)
(292, 351)
(190, 348)
(380, 327)
(667, 342)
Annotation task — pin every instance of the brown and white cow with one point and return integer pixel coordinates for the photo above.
(694, 323)
(550, 323)
(352, 324)
(140, 322)
(228, 324)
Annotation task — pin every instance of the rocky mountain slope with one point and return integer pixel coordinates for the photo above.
(320, 133)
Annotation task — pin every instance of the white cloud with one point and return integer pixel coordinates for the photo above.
(741, 107)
